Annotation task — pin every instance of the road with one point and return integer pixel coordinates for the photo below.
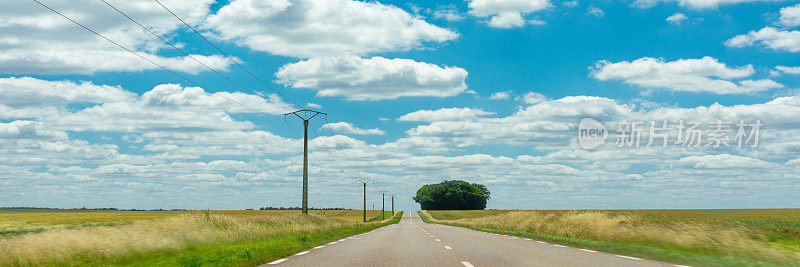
(413, 242)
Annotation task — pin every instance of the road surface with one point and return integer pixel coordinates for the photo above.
(413, 242)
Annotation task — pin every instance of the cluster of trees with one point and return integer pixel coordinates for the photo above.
(453, 195)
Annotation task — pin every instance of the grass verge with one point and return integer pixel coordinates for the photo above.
(648, 250)
(188, 240)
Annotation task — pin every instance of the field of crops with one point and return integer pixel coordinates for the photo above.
(84, 237)
(696, 237)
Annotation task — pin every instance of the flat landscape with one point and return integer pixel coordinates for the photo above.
(743, 237)
(230, 237)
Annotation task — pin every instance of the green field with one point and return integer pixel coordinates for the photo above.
(729, 237)
(236, 237)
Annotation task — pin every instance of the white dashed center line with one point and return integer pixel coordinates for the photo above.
(467, 264)
(278, 261)
(448, 247)
(438, 240)
(630, 258)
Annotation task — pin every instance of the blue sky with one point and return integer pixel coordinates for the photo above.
(416, 91)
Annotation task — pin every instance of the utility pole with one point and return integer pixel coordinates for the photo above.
(393, 204)
(383, 203)
(305, 119)
(365, 181)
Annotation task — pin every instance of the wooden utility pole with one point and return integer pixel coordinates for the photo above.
(305, 119)
(383, 203)
(393, 204)
(365, 181)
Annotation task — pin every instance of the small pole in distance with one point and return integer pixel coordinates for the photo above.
(383, 203)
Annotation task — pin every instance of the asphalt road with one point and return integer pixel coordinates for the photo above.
(415, 243)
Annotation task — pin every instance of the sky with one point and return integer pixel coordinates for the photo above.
(416, 92)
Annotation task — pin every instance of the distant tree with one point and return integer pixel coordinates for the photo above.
(452, 195)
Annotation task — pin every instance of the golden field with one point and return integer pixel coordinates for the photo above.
(760, 235)
(98, 237)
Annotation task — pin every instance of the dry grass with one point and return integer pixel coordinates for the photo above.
(615, 226)
(143, 236)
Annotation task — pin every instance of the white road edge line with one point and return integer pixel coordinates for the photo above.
(587, 250)
(630, 258)
(541, 242)
(302, 253)
(467, 264)
(561, 246)
(332, 243)
(318, 247)
(278, 261)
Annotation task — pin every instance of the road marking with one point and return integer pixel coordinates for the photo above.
(332, 243)
(630, 258)
(682, 266)
(302, 253)
(527, 239)
(537, 241)
(559, 246)
(587, 250)
(448, 247)
(278, 261)
(467, 264)
(340, 240)
(356, 238)
(437, 240)
(319, 247)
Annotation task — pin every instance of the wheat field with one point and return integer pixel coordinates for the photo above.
(770, 235)
(90, 236)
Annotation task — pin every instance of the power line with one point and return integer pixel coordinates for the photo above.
(335, 139)
(185, 53)
(144, 58)
(226, 54)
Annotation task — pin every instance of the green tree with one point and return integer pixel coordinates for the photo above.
(453, 195)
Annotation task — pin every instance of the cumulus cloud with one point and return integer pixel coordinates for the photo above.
(501, 95)
(533, 98)
(448, 12)
(36, 41)
(26, 97)
(595, 11)
(769, 37)
(697, 4)
(788, 70)
(375, 78)
(305, 28)
(507, 13)
(349, 128)
(790, 16)
(677, 18)
(706, 74)
(724, 161)
(445, 114)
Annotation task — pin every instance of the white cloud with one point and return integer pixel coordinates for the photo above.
(26, 97)
(788, 70)
(724, 161)
(449, 13)
(775, 39)
(697, 4)
(691, 75)
(348, 128)
(570, 3)
(313, 105)
(790, 16)
(507, 13)
(501, 95)
(306, 28)
(507, 20)
(677, 18)
(595, 11)
(375, 78)
(445, 114)
(533, 98)
(35, 40)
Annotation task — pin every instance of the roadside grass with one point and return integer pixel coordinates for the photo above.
(27, 221)
(689, 237)
(195, 238)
